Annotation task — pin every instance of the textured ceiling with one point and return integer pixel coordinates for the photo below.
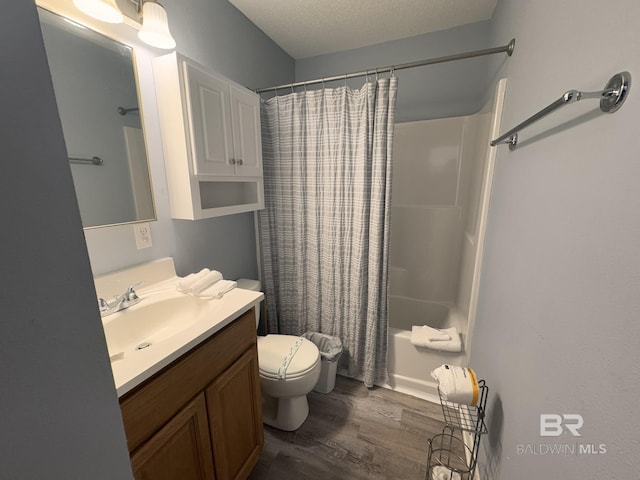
(305, 28)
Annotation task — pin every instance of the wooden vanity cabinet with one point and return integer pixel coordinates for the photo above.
(200, 417)
(181, 449)
(232, 422)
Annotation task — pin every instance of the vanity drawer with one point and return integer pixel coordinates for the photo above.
(151, 405)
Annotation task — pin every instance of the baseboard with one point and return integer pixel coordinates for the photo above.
(411, 391)
(409, 386)
(414, 387)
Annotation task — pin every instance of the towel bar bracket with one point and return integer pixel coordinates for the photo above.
(512, 141)
(616, 92)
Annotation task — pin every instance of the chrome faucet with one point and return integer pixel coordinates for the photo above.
(121, 302)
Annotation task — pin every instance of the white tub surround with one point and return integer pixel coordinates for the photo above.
(176, 336)
(443, 174)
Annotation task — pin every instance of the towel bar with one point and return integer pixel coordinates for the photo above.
(611, 99)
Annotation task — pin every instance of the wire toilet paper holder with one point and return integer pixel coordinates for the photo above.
(453, 454)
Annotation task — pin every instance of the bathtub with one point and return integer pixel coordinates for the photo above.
(410, 366)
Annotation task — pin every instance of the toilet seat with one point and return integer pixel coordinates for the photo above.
(274, 349)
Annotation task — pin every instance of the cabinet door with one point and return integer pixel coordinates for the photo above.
(247, 140)
(209, 115)
(235, 416)
(181, 450)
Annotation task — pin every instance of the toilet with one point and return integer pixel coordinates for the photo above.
(289, 369)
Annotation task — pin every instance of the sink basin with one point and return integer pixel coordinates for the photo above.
(156, 318)
(169, 322)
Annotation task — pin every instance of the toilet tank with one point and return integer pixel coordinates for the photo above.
(254, 285)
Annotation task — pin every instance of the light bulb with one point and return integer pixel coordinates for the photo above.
(104, 10)
(155, 27)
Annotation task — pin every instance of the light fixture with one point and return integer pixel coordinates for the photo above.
(104, 10)
(155, 26)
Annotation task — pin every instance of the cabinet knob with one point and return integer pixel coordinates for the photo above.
(239, 161)
(232, 161)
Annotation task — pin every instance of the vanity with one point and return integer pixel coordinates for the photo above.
(189, 388)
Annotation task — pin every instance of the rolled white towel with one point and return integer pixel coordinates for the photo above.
(457, 384)
(454, 344)
(218, 289)
(208, 280)
(184, 284)
(422, 333)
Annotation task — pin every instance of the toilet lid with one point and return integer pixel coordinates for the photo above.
(278, 356)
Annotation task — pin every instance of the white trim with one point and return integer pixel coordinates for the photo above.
(412, 386)
(256, 226)
(483, 216)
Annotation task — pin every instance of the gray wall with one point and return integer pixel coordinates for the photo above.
(435, 91)
(215, 34)
(557, 328)
(59, 414)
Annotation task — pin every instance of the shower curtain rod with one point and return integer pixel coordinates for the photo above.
(508, 49)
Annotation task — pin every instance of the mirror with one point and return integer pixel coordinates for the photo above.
(95, 87)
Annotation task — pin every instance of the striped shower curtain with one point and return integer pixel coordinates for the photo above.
(325, 229)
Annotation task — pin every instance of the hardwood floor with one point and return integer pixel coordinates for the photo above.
(353, 433)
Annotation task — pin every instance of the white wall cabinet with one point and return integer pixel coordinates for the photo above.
(211, 138)
(247, 136)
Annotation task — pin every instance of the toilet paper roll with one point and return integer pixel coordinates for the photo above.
(440, 472)
(457, 384)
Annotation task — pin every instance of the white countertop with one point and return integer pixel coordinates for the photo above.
(131, 367)
(137, 366)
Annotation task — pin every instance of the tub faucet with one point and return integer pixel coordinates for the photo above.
(126, 300)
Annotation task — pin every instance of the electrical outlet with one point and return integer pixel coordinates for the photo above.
(142, 232)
